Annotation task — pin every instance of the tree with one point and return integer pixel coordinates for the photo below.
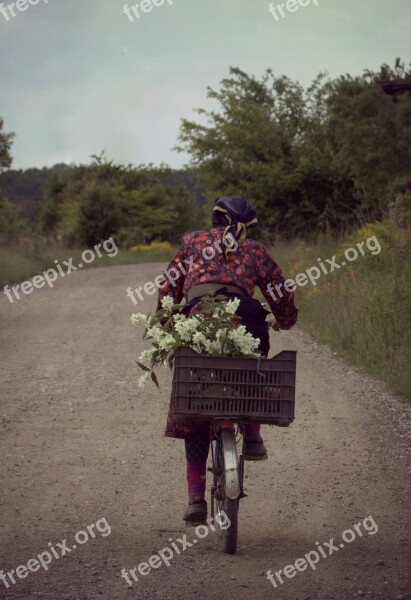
(310, 160)
(100, 213)
(6, 140)
(12, 225)
(370, 133)
(266, 142)
(136, 204)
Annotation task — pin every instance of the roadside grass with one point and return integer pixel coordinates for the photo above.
(362, 310)
(19, 264)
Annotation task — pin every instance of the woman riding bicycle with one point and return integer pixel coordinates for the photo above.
(224, 261)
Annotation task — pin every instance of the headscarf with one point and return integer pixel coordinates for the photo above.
(236, 213)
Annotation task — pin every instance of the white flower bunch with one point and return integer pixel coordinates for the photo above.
(244, 340)
(138, 319)
(144, 379)
(186, 328)
(215, 331)
(167, 303)
(232, 305)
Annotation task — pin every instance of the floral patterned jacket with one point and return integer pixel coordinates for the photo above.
(201, 259)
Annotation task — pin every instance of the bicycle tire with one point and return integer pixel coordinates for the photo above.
(229, 535)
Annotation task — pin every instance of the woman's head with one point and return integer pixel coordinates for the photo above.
(235, 213)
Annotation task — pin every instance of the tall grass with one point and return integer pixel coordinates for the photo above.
(19, 264)
(362, 310)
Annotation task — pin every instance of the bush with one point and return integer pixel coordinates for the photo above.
(13, 227)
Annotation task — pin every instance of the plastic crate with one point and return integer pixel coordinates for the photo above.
(206, 387)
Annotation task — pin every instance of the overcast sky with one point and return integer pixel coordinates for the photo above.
(77, 77)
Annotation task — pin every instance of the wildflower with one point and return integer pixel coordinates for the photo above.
(200, 338)
(156, 333)
(144, 379)
(167, 302)
(232, 305)
(217, 347)
(244, 341)
(186, 328)
(146, 356)
(215, 334)
(178, 317)
(166, 342)
(138, 319)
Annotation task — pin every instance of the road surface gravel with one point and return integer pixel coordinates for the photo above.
(81, 442)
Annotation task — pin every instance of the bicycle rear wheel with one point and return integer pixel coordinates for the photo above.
(225, 508)
(230, 534)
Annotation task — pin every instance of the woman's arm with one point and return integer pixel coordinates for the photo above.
(271, 280)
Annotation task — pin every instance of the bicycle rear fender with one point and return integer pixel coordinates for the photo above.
(231, 466)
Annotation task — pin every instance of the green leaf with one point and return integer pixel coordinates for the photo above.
(143, 366)
(177, 307)
(154, 379)
(207, 306)
(155, 356)
(211, 320)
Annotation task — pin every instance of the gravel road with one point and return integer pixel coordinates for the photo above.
(81, 445)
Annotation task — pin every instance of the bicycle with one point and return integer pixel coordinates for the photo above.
(227, 392)
(228, 478)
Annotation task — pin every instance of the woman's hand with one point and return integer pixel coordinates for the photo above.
(273, 323)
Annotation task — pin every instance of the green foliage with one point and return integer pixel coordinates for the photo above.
(6, 140)
(311, 160)
(136, 205)
(322, 159)
(27, 187)
(99, 212)
(371, 135)
(13, 228)
(363, 311)
(50, 210)
(19, 263)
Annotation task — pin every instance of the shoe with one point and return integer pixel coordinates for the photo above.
(197, 511)
(254, 451)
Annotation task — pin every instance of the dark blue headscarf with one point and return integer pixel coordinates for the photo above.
(236, 214)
